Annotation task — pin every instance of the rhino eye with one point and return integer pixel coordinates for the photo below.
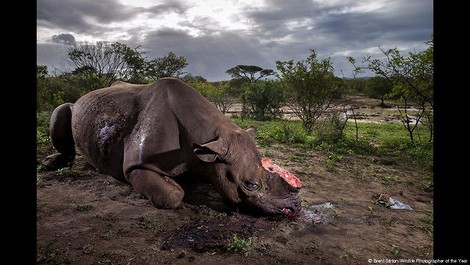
(250, 185)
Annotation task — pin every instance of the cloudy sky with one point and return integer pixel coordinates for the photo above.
(215, 35)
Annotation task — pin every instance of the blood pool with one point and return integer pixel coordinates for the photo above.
(286, 175)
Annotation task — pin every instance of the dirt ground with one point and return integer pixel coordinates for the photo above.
(84, 217)
(88, 218)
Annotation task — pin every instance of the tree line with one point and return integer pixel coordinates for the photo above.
(308, 87)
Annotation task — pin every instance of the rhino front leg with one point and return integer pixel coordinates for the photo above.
(162, 191)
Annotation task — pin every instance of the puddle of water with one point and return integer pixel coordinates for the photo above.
(318, 213)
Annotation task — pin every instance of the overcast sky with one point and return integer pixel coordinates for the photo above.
(215, 35)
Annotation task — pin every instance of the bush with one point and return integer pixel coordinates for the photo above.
(331, 128)
(263, 100)
(42, 130)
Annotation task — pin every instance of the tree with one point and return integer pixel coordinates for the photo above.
(216, 93)
(412, 81)
(220, 96)
(378, 87)
(108, 62)
(310, 86)
(167, 66)
(248, 72)
(41, 71)
(263, 100)
(189, 78)
(355, 85)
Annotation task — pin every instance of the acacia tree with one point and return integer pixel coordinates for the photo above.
(116, 61)
(310, 85)
(412, 81)
(378, 87)
(249, 72)
(107, 61)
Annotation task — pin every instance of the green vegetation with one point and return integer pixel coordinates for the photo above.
(395, 250)
(428, 220)
(150, 224)
(99, 65)
(411, 82)
(387, 140)
(263, 100)
(42, 129)
(310, 87)
(248, 72)
(240, 244)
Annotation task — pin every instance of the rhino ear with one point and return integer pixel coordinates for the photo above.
(251, 131)
(210, 151)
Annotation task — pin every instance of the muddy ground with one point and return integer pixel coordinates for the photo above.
(84, 217)
(88, 218)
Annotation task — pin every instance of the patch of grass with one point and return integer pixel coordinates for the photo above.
(387, 222)
(346, 257)
(428, 220)
(293, 134)
(150, 224)
(42, 129)
(84, 207)
(395, 250)
(107, 257)
(333, 158)
(51, 255)
(390, 180)
(106, 217)
(239, 244)
(109, 234)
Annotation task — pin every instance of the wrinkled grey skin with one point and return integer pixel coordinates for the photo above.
(147, 135)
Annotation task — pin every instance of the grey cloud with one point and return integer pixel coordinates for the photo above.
(71, 14)
(175, 7)
(64, 38)
(281, 30)
(52, 55)
(398, 22)
(208, 55)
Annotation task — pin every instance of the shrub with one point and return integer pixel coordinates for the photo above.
(263, 100)
(331, 128)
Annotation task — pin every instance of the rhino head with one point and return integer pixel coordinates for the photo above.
(243, 176)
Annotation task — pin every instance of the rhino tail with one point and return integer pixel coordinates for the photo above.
(60, 131)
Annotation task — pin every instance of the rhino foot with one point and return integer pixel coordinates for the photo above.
(57, 161)
(162, 191)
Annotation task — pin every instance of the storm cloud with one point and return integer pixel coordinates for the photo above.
(225, 34)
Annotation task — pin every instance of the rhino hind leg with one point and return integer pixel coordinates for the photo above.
(60, 129)
(162, 191)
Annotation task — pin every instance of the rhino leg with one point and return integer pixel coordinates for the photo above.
(162, 191)
(60, 130)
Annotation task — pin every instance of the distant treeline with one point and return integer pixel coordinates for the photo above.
(309, 87)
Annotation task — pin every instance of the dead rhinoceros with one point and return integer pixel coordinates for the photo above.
(147, 135)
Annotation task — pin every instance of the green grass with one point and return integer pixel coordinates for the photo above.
(150, 224)
(388, 139)
(42, 129)
(240, 244)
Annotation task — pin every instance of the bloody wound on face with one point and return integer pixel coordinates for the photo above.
(286, 175)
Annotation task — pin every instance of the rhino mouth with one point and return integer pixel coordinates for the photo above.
(290, 213)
